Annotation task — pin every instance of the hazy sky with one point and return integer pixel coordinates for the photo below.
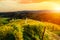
(18, 5)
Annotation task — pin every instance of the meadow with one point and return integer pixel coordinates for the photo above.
(28, 29)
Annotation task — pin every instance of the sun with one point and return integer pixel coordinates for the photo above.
(55, 7)
(50, 6)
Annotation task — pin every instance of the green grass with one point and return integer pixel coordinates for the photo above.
(57, 32)
(21, 29)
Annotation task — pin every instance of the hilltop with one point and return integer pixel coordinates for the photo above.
(28, 29)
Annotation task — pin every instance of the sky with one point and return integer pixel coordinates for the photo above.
(19, 5)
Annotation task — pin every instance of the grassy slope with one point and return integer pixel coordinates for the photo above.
(49, 27)
(20, 22)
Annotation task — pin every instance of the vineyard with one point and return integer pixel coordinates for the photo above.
(28, 29)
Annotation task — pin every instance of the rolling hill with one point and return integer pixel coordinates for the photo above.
(28, 29)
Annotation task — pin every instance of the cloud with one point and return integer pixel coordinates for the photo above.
(9, 5)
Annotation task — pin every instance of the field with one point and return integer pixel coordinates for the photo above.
(28, 29)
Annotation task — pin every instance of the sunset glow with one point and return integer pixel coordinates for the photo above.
(29, 19)
(16, 5)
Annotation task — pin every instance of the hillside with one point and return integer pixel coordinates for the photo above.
(28, 29)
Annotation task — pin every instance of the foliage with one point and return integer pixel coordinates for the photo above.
(32, 30)
(3, 21)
